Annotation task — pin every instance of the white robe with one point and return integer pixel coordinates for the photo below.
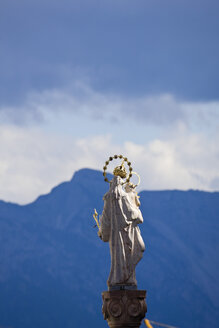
(119, 226)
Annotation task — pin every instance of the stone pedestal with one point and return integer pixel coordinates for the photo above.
(124, 308)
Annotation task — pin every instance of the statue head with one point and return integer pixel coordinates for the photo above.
(120, 171)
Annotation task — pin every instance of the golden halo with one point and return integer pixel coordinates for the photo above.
(111, 158)
(139, 179)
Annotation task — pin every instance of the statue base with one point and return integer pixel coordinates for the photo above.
(124, 308)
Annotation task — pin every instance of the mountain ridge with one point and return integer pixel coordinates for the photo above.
(53, 263)
(85, 171)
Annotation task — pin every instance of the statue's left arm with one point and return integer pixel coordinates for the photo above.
(133, 213)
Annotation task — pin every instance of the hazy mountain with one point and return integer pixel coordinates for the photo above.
(53, 266)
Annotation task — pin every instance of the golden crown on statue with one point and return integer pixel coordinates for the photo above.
(119, 170)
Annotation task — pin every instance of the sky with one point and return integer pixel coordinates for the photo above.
(83, 80)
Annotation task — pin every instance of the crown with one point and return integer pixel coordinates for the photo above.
(120, 171)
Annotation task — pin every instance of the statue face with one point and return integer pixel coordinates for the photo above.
(115, 181)
(128, 188)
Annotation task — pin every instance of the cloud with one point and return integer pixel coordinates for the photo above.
(172, 144)
(33, 161)
(81, 100)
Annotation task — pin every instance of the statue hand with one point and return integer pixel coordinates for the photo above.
(99, 234)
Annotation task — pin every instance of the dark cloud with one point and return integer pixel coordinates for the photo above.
(128, 47)
(80, 100)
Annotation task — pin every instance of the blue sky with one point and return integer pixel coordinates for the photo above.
(80, 80)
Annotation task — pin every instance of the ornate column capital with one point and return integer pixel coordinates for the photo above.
(124, 308)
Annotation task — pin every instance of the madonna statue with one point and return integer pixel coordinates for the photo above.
(119, 226)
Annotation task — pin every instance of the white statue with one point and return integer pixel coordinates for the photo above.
(119, 226)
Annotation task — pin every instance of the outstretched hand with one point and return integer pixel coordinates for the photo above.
(99, 234)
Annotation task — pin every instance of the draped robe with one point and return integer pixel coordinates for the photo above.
(119, 226)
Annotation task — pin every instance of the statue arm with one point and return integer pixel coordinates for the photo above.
(105, 226)
(132, 211)
(137, 216)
